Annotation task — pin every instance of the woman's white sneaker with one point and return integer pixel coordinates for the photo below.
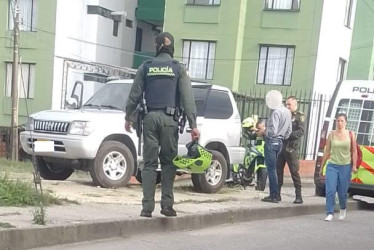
(329, 217)
(342, 214)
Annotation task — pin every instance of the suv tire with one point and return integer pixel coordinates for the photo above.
(113, 165)
(214, 177)
(52, 171)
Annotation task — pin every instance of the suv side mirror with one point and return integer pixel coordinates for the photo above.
(75, 101)
(71, 103)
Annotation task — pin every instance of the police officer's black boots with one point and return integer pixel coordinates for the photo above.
(299, 199)
(279, 197)
(168, 211)
(144, 213)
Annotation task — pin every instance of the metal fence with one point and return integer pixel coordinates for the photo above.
(314, 107)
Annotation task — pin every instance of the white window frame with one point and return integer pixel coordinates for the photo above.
(275, 69)
(200, 62)
(28, 20)
(348, 13)
(282, 4)
(26, 76)
(203, 2)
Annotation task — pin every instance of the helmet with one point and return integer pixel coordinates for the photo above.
(197, 160)
(248, 122)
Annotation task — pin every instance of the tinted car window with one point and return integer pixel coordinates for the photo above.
(218, 105)
(200, 98)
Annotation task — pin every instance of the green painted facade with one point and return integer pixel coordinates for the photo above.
(36, 47)
(238, 28)
(361, 61)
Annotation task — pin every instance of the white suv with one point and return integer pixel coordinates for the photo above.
(93, 137)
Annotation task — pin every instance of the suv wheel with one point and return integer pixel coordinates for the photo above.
(214, 177)
(52, 171)
(113, 165)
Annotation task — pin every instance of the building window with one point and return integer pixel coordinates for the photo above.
(27, 15)
(282, 4)
(275, 65)
(348, 14)
(26, 80)
(341, 70)
(199, 58)
(204, 2)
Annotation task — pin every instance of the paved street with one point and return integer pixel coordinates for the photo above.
(303, 232)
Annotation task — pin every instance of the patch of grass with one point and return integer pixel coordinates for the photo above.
(21, 193)
(6, 225)
(15, 167)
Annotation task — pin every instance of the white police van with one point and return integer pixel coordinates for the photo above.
(355, 98)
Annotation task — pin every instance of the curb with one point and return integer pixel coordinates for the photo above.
(26, 238)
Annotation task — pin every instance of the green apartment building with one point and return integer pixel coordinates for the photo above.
(246, 44)
(361, 62)
(36, 51)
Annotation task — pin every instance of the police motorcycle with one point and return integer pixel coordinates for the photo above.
(252, 172)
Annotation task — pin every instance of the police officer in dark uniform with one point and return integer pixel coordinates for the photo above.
(290, 150)
(164, 86)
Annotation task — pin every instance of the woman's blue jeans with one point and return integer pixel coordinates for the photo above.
(338, 178)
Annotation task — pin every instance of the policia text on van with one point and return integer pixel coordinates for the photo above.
(356, 100)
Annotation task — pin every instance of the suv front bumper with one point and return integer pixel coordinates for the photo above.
(65, 146)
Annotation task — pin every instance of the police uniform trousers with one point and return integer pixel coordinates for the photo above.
(160, 141)
(293, 163)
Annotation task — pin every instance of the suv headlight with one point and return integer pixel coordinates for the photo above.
(81, 128)
(30, 124)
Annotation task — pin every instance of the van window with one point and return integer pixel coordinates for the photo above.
(360, 114)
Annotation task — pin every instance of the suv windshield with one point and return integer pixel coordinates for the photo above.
(110, 96)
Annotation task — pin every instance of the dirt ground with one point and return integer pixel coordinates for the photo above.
(79, 188)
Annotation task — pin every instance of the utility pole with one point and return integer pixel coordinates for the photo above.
(15, 84)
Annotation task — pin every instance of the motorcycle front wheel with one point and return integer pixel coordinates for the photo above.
(261, 179)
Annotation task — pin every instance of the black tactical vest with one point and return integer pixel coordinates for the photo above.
(160, 84)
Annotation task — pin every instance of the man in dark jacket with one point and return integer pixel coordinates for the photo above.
(290, 151)
(163, 84)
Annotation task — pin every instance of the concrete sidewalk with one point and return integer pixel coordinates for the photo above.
(105, 213)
